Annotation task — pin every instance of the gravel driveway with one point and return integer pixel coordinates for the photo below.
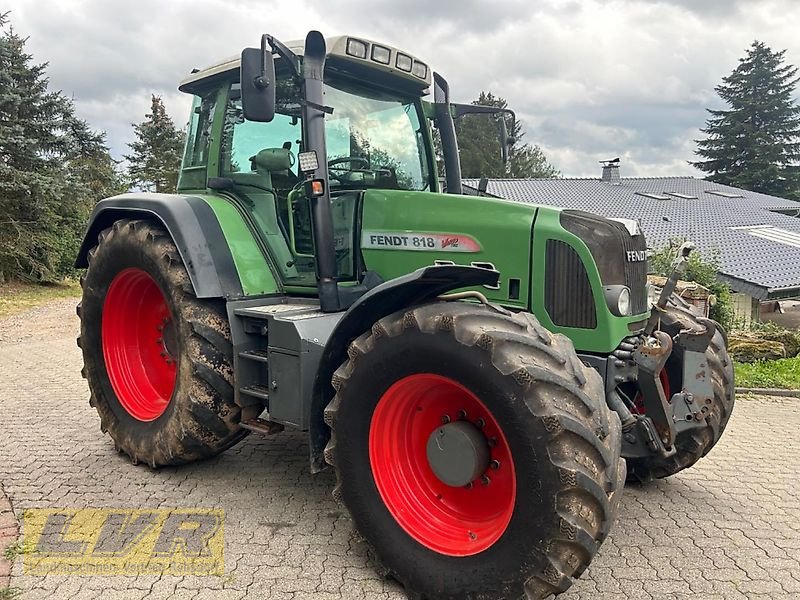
(728, 528)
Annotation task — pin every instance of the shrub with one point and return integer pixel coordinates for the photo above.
(700, 269)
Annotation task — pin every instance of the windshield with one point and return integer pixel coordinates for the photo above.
(374, 140)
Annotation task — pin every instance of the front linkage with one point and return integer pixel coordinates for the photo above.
(652, 424)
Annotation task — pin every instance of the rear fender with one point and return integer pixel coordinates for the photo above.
(423, 285)
(193, 227)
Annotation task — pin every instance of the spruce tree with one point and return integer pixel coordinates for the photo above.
(45, 196)
(157, 150)
(479, 147)
(753, 144)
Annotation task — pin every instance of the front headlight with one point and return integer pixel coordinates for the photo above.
(618, 299)
(624, 302)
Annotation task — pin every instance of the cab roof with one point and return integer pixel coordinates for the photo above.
(338, 46)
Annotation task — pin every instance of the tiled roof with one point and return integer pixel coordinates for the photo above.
(763, 268)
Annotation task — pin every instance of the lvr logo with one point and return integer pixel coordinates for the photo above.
(121, 541)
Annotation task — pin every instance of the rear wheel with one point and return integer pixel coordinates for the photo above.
(692, 444)
(475, 452)
(158, 360)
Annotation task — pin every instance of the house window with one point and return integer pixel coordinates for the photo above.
(682, 196)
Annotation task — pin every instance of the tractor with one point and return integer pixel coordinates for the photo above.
(481, 374)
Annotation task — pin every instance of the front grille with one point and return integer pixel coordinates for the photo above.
(568, 295)
(635, 273)
(609, 243)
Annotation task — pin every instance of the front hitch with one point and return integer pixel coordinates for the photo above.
(665, 418)
(650, 358)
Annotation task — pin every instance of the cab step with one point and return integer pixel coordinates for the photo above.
(257, 391)
(256, 355)
(262, 426)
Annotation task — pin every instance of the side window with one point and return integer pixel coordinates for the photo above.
(244, 139)
(198, 142)
(199, 135)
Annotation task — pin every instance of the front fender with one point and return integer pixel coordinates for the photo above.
(418, 287)
(193, 227)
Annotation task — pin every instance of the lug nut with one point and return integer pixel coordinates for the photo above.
(494, 465)
(480, 423)
(472, 535)
(469, 486)
(445, 419)
(462, 414)
(492, 442)
(485, 480)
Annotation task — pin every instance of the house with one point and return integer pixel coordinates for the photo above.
(757, 236)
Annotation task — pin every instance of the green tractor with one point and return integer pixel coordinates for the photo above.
(481, 374)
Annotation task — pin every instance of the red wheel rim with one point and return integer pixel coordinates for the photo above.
(139, 344)
(456, 521)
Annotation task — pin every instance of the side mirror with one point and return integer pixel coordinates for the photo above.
(506, 140)
(257, 77)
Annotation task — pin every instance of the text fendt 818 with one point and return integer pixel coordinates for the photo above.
(480, 373)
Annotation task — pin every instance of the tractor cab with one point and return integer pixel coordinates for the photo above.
(345, 113)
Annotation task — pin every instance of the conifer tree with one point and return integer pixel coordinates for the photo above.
(46, 187)
(156, 152)
(479, 147)
(753, 144)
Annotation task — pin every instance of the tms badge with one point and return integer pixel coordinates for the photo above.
(636, 255)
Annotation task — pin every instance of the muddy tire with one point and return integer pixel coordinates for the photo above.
(528, 524)
(693, 444)
(158, 361)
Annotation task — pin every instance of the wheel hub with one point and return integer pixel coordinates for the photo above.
(458, 453)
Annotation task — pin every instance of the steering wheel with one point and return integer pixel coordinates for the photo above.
(348, 159)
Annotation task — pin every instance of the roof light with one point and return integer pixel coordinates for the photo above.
(772, 233)
(381, 54)
(404, 62)
(420, 69)
(356, 48)
(682, 196)
(653, 196)
(723, 194)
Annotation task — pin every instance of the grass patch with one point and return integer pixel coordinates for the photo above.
(9, 593)
(783, 373)
(17, 297)
(17, 548)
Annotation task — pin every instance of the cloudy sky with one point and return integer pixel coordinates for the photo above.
(589, 79)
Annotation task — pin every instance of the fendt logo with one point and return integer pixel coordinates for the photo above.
(102, 541)
(636, 255)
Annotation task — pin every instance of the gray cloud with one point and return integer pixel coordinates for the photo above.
(590, 79)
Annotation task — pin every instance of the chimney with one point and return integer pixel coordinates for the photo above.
(610, 171)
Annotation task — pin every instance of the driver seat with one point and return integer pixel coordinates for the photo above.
(271, 161)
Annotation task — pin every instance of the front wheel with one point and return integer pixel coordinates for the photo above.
(475, 452)
(158, 360)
